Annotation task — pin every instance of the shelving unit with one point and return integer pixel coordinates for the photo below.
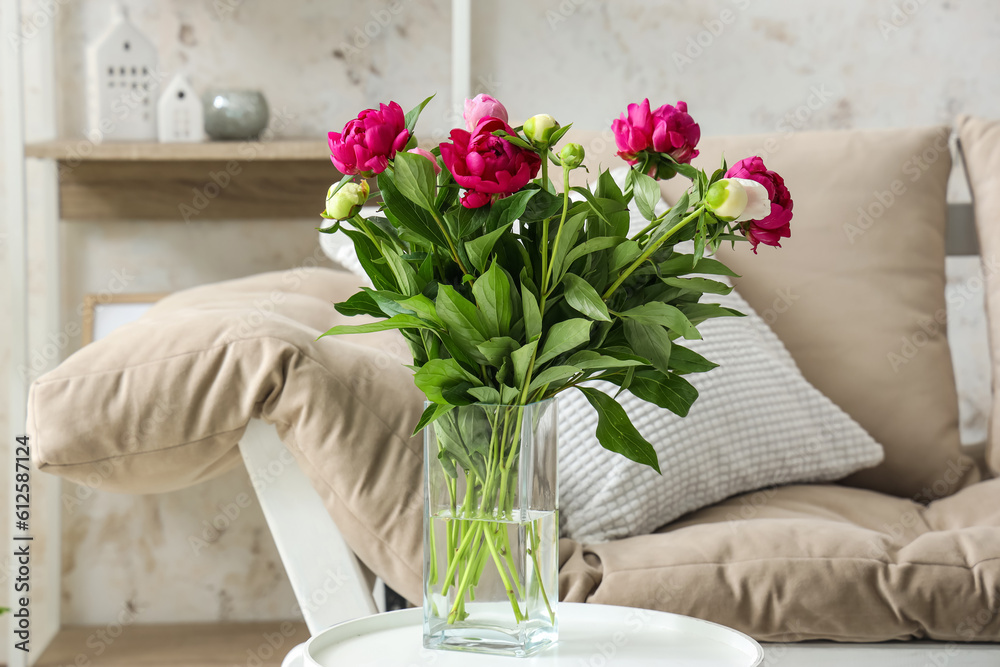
(51, 181)
(71, 151)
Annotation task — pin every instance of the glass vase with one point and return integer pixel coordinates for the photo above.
(491, 529)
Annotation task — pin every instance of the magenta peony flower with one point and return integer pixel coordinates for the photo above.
(369, 141)
(771, 229)
(669, 130)
(480, 107)
(487, 166)
(427, 154)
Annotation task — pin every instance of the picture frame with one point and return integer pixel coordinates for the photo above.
(103, 313)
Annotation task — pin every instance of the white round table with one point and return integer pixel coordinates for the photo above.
(590, 635)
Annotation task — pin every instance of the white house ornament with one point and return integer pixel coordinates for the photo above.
(122, 81)
(179, 116)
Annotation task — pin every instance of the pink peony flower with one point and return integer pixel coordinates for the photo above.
(775, 226)
(480, 107)
(669, 130)
(430, 156)
(369, 141)
(487, 166)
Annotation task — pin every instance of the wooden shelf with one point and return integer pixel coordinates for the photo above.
(185, 645)
(78, 150)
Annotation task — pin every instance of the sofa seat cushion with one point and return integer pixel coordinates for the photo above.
(809, 562)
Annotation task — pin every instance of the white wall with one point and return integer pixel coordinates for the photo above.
(774, 65)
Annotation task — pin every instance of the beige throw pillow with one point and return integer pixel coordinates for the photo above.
(857, 292)
(980, 144)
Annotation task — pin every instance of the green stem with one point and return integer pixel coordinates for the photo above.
(650, 249)
(562, 221)
(451, 244)
(538, 570)
(518, 616)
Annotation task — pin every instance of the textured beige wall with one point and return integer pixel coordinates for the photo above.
(761, 66)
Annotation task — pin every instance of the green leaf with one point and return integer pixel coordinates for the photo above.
(683, 360)
(422, 307)
(664, 315)
(624, 254)
(406, 277)
(680, 264)
(673, 217)
(471, 220)
(461, 318)
(703, 285)
(532, 314)
(558, 134)
(394, 322)
(567, 241)
(496, 350)
(522, 360)
(488, 395)
(647, 194)
(587, 359)
(552, 374)
(410, 119)
(440, 375)
(593, 245)
(430, 414)
(650, 341)
(406, 215)
(543, 205)
(415, 179)
(359, 304)
(492, 293)
(563, 337)
(504, 212)
(581, 296)
(697, 313)
(479, 249)
(608, 189)
(669, 391)
(615, 431)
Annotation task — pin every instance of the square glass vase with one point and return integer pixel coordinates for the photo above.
(491, 529)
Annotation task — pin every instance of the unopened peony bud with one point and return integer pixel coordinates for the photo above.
(347, 201)
(427, 154)
(738, 200)
(539, 128)
(572, 155)
(726, 199)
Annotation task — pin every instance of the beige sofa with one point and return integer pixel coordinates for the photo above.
(907, 550)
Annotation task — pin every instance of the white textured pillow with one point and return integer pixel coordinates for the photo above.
(756, 423)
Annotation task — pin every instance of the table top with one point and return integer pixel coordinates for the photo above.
(589, 634)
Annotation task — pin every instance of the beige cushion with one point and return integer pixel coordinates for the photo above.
(161, 404)
(980, 142)
(858, 300)
(812, 562)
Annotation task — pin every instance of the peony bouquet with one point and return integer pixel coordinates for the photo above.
(510, 287)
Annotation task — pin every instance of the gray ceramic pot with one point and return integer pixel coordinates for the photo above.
(234, 114)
